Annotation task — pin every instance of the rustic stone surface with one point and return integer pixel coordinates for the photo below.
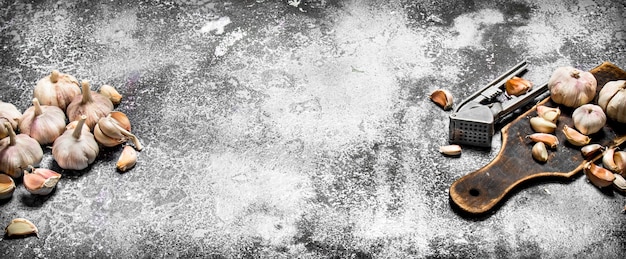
(281, 129)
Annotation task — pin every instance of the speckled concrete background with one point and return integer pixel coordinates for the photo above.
(282, 129)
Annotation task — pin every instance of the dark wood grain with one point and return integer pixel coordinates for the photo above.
(480, 191)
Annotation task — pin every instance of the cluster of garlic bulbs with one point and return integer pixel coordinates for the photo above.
(63, 114)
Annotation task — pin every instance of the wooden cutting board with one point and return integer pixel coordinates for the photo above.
(480, 191)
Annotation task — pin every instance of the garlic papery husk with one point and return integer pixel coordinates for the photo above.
(598, 175)
(114, 129)
(7, 186)
(8, 113)
(127, 159)
(517, 86)
(44, 123)
(572, 87)
(91, 104)
(612, 99)
(17, 152)
(56, 89)
(20, 227)
(41, 181)
(589, 119)
(549, 113)
(76, 148)
(111, 93)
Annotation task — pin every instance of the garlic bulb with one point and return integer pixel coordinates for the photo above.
(76, 148)
(111, 93)
(114, 129)
(41, 181)
(8, 113)
(17, 152)
(91, 104)
(612, 99)
(572, 87)
(7, 186)
(44, 123)
(56, 89)
(589, 118)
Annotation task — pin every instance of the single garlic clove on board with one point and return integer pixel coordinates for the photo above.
(20, 227)
(549, 113)
(590, 150)
(597, 175)
(550, 140)
(539, 152)
(574, 137)
(542, 125)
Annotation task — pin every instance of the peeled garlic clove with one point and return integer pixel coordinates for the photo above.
(608, 161)
(574, 137)
(7, 186)
(450, 150)
(44, 123)
(21, 227)
(127, 159)
(591, 150)
(443, 98)
(76, 148)
(8, 113)
(619, 182)
(41, 181)
(549, 113)
(542, 125)
(598, 175)
(111, 93)
(89, 103)
(17, 152)
(550, 140)
(517, 86)
(57, 89)
(539, 152)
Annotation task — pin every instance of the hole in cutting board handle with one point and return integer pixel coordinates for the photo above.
(474, 192)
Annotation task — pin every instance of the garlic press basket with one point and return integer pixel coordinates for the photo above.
(473, 121)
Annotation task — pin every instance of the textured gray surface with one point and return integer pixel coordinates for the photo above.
(283, 129)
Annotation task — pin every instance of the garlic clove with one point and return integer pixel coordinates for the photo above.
(549, 113)
(111, 93)
(517, 86)
(542, 125)
(17, 152)
(443, 98)
(589, 118)
(127, 159)
(110, 132)
(7, 186)
(591, 150)
(619, 158)
(450, 150)
(105, 140)
(574, 137)
(608, 159)
(41, 181)
(44, 123)
(89, 103)
(619, 182)
(550, 140)
(8, 113)
(76, 148)
(539, 152)
(20, 227)
(57, 89)
(597, 175)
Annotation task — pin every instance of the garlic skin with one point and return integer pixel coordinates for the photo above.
(8, 113)
(56, 89)
(7, 186)
(44, 123)
(589, 119)
(127, 159)
(114, 129)
(517, 86)
(76, 148)
(590, 150)
(21, 227)
(111, 93)
(89, 103)
(539, 152)
(41, 181)
(612, 99)
(572, 87)
(443, 98)
(17, 152)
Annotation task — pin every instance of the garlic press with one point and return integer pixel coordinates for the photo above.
(474, 120)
